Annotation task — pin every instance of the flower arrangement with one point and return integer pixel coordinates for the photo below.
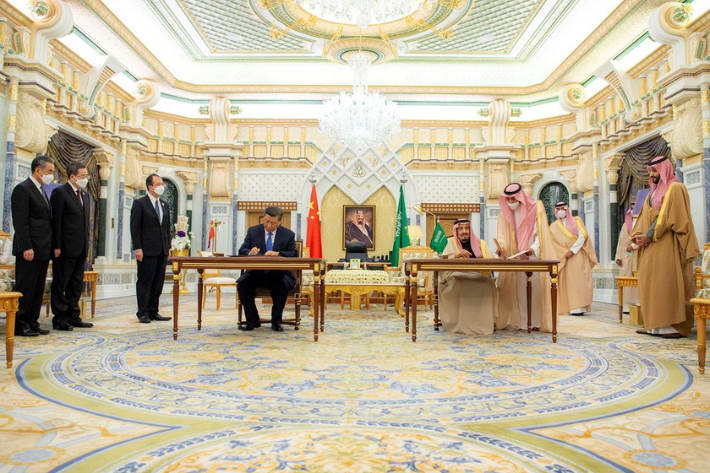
(182, 239)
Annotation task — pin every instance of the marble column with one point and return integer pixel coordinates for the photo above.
(705, 113)
(121, 161)
(105, 161)
(205, 198)
(10, 152)
(595, 155)
(612, 176)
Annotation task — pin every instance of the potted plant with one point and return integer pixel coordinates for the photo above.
(182, 238)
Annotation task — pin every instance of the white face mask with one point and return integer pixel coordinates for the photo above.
(48, 178)
(562, 213)
(514, 206)
(159, 190)
(82, 183)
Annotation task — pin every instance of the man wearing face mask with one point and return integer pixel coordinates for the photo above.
(70, 241)
(522, 226)
(667, 244)
(150, 234)
(575, 251)
(32, 244)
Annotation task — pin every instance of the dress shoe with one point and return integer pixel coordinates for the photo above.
(41, 331)
(144, 319)
(277, 328)
(81, 324)
(247, 327)
(672, 335)
(63, 327)
(160, 317)
(27, 333)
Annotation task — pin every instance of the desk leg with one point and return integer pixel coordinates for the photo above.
(529, 295)
(93, 298)
(413, 303)
(437, 323)
(200, 288)
(10, 335)
(701, 345)
(316, 313)
(322, 300)
(553, 294)
(407, 305)
(621, 303)
(176, 298)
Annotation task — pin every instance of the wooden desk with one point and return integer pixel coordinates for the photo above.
(200, 263)
(364, 265)
(9, 302)
(414, 266)
(701, 308)
(92, 277)
(621, 283)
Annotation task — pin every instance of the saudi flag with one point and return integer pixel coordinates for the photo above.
(401, 233)
(438, 239)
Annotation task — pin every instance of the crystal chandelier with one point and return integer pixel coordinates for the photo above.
(359, 120)
(362, 12)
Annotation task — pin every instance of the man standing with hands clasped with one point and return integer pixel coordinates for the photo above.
(150, 233)
(70, 241)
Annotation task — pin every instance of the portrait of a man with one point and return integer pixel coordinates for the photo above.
(359, 225)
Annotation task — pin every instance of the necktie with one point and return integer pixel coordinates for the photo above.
(157, 210)
(269, 243)
(78, 194)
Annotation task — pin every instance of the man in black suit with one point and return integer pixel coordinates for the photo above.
(70, 240)
(150, 233)
(268, 239)
(32, 244)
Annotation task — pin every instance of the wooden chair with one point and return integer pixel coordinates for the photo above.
(298, 294)
(213, 280)
(426, 284)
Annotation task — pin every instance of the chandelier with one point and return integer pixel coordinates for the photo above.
(361, 12)
(359, 120)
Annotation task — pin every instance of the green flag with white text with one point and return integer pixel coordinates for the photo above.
(438, 239)
(401, 232)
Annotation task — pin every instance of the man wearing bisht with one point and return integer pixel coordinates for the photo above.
(523, 227)
(468, 301)
(575, 251)
(667, 246)
(626, 258)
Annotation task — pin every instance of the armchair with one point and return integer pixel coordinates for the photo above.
(425, 284)
(214, 280)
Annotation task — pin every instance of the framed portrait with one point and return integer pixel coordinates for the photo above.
(359, 225)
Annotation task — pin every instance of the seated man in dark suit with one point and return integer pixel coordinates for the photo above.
(267, 239)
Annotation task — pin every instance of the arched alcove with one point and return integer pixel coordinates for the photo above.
(550, 194)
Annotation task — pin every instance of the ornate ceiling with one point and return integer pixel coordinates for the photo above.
(479, 48)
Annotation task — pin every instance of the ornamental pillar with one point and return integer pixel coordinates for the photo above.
(105, 160)
(10, 152)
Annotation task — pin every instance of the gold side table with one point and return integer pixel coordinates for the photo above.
(621, 283)
(9, 303)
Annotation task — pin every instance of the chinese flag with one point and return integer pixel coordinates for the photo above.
(211, 237)
(313, 233)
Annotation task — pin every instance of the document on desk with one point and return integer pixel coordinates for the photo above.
(517, 254)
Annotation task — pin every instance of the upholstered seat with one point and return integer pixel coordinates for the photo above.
(424, 284)
(214, 280)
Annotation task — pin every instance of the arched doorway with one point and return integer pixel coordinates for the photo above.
(551, 194)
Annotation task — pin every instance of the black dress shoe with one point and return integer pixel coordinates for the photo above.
(144, 320)
(160, 317)
(41, 331)
(81, 324)
(277, 328)
(247, 327)
(63, 327)
(27, 333)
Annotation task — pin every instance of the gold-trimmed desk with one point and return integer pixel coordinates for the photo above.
(200, 263)
(621, 283)
(9, 303)
(701, 308)
(414, 266)
(92, 277)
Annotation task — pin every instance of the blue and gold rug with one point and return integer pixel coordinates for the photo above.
(126, 397)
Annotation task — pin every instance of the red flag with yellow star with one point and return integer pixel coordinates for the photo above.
(313, 233)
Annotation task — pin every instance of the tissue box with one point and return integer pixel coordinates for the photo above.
(635, 316)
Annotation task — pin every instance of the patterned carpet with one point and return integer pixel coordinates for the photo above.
(125, 397)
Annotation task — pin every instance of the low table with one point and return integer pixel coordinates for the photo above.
(621, 283)
(9, 303)
(358, 281)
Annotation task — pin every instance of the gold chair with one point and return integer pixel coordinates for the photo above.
(425, 284)
(212, 279)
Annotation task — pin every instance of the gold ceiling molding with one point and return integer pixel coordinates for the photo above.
(453, 208)
(340, 50)
(261, 205)
(70, 56)
(15, 15)
(609, 23)
(599, 97)
(558, 120)
(175, 118)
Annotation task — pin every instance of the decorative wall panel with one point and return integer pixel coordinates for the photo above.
(449, 189)
(269, 187)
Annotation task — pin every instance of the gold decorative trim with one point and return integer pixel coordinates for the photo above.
(452, 208)
(649, 61)
(256, 205)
